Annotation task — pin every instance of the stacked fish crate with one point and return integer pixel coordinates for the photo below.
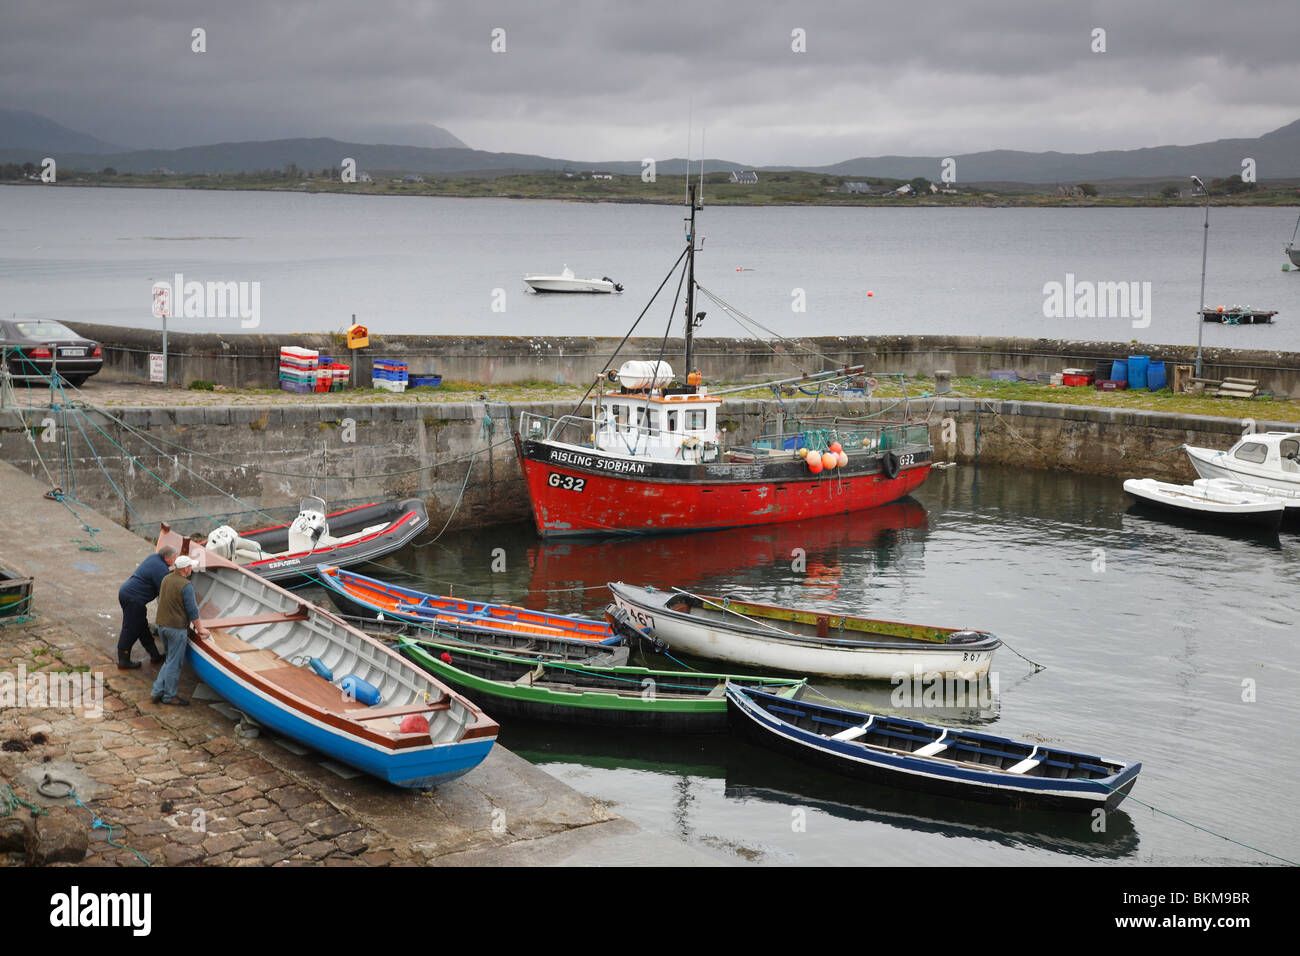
(390, 375)
(298, 368)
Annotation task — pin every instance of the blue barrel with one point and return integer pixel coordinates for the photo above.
(360, 690)
(1137, 371)
(1156, 376)
(1119, 371)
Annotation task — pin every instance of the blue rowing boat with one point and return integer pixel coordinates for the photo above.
(357, 594)
(918, 756)
(302, 672)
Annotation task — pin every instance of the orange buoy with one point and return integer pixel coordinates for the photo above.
(829, 461)
(836, 447)
(870, 293)
(815, 464)
(842, 459)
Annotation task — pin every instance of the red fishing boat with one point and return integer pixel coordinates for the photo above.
(649, 457)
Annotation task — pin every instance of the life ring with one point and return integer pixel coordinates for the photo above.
(889, 465)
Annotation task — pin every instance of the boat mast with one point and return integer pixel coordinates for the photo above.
(690, 272)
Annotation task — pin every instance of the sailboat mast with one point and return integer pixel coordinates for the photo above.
(690, 273)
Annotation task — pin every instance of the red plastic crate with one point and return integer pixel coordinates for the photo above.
(1078, 380)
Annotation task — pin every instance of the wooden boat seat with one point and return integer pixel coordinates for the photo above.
(929, 750)
(401, 710)
(311, 687)
(533, 675)
(271, 617)
(259, 661)
(719, 691)
(229, 642)
(1029, 763)
(853, 733)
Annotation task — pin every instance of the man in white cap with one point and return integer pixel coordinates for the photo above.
(177, 612)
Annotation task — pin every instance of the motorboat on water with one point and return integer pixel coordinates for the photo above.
(1290, 497)
(345, 537)
(1267, 459)
(566, 281)
(1218, 503)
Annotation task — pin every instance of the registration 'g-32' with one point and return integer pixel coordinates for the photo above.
(567, 482)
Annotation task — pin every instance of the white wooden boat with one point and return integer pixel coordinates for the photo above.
(801, 641)
(1210, 504)
(566, 281)
(304, 673)
(1267, 459)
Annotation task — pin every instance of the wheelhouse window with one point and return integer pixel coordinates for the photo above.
(1288, 447)
(696, 419)
(620, 414)
(1252, 451)
(672, 421)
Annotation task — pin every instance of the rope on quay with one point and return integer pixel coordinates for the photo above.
(11, 802)
(97, 823)
(1195, 826)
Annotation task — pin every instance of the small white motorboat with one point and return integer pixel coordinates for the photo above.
(1290, 497)
(1268, 459)
(566, 281)
(1208, 504)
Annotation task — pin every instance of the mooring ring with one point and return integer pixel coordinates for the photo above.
(43, 787)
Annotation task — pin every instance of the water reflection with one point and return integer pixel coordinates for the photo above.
(752, 774)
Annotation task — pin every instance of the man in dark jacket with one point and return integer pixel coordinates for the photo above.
(178, 611)
(139, 589)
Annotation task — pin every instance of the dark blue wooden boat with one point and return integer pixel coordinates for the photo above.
(918, 756)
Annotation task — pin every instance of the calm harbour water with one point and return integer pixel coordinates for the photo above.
(1146, 657)
(434, 265)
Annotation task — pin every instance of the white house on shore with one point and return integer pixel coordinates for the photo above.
(744, 178)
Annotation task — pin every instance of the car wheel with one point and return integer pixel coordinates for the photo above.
(76, 381)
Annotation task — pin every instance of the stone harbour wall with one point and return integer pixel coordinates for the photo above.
(196, 466)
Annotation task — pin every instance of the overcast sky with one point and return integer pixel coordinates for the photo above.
(591, 80)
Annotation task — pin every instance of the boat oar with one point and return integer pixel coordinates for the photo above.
(737, 613)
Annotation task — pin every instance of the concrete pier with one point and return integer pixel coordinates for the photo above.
(182, 783)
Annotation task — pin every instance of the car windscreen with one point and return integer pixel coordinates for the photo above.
(45, 329)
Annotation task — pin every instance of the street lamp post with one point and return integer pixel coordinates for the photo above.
(1205, 248)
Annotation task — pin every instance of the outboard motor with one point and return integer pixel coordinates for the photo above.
(226, 542)
(618, 286)
(309, 527)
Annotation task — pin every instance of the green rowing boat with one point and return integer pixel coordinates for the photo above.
(630, 698)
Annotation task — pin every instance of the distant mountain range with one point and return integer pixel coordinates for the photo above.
(27, 137)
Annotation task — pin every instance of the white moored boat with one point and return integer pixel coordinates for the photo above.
(1290, 497)
(1205, 503)
(566, 281)
(1268, 459)
(802, 641)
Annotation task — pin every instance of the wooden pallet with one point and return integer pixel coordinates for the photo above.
(1225, 388)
